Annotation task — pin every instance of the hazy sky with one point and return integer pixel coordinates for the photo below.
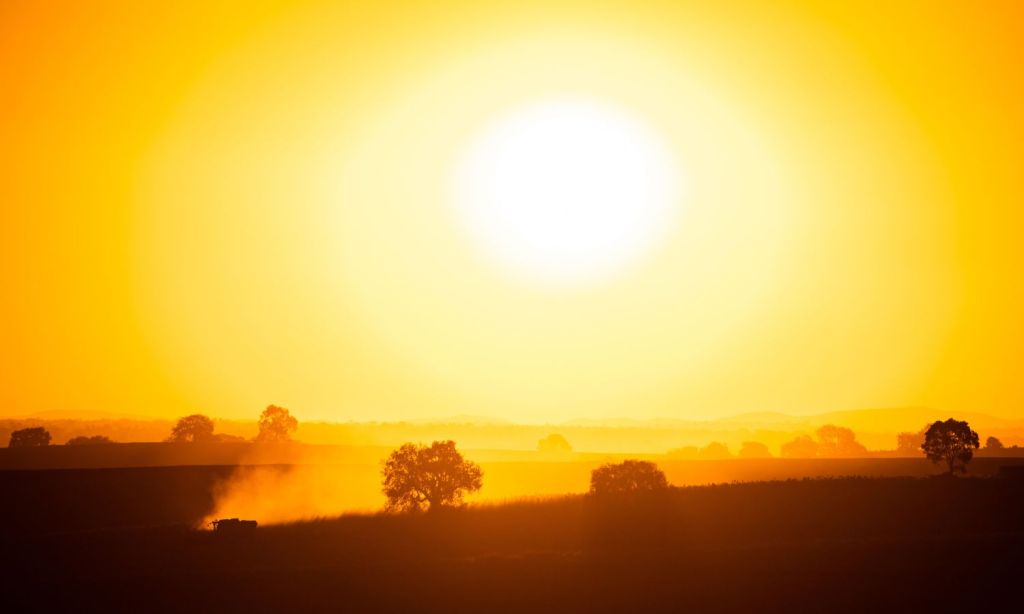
(214, 209)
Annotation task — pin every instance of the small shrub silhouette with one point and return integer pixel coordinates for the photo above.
(192, 429)
(554, 443)
(83, 440)
(801, 447)
(838, 441)
(29, 438)
(627, 477)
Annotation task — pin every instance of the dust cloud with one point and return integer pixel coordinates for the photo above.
(275, 493)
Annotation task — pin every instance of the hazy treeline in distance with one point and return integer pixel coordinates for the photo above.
(876, 430)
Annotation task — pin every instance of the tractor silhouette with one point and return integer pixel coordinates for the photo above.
(234, 526)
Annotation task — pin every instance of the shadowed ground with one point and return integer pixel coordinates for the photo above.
(816, 545)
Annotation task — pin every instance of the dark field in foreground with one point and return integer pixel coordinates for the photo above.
(842, 545)
(79, 499)
(64, 500)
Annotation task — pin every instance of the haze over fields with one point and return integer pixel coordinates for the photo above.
(877, 429)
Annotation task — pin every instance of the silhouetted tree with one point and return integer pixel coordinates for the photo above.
(554, 443)
(714, 451)
(836, 441)
(993, 444)
(801, 447)
(434, 476)
(82, 440)
(29, 438)
(754, 449)
(276, 424)
(627, 476)
(910, 443)
(192, 429)
(952, 442)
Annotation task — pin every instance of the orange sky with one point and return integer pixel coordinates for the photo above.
(213, 209)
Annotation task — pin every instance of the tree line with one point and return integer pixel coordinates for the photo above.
(425, 478)
(276, 425)
(830, 441)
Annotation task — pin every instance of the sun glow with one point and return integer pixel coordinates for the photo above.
(680, 211)
(567, 190)
(604, 199)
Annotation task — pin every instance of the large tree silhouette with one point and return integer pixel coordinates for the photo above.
(626, 477)
(952, 442)
(192, 429)
(431, 477)
(29, 438)
(276, 425)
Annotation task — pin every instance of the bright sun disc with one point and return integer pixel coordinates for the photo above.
(567, 191)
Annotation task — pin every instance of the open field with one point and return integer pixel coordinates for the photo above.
(154, 454)
(841, 545)
(60, 500)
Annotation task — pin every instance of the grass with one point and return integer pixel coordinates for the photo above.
(848, 544)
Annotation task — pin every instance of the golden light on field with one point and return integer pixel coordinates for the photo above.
(533, 211)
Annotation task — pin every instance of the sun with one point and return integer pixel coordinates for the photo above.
(566, 191)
